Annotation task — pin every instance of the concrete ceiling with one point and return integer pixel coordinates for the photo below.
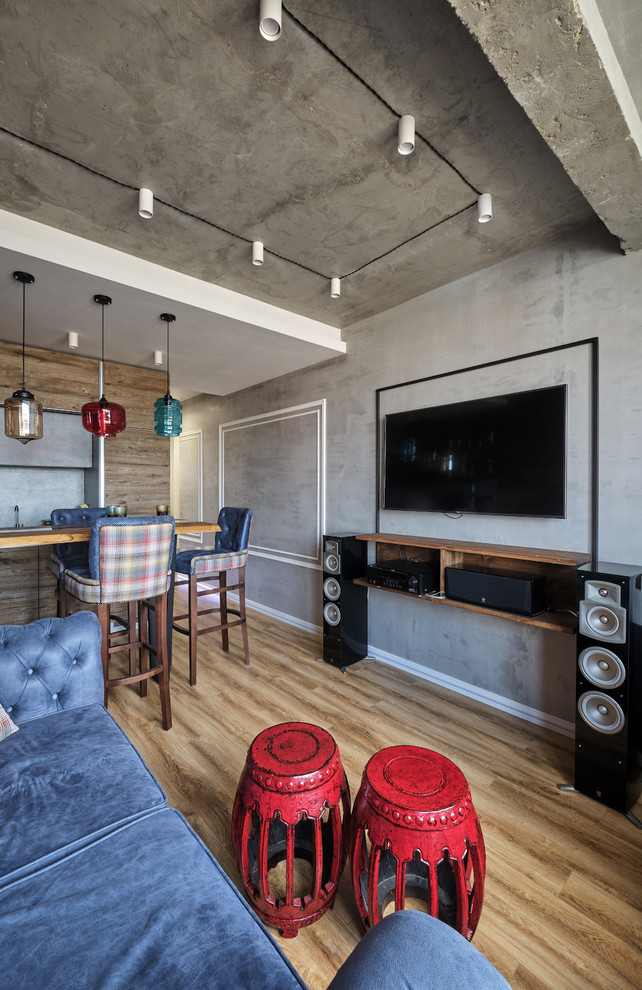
(294, 143)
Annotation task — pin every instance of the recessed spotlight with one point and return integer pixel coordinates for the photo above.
(270, 19)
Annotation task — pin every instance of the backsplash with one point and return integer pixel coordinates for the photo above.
(36, 491)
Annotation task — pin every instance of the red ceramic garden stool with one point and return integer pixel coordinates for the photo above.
(415, 839)
(292, 810)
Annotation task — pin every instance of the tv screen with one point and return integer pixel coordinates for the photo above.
(505, 454)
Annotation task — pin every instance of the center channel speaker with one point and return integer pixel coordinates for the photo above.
(609, 684)
(345, 605)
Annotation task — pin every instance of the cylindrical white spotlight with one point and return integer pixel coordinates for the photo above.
(406, 134)
(257, 252)
(485, 208)
(145, 204)
(270, 19)
(72, 339)
(158, 357)
(335, 288)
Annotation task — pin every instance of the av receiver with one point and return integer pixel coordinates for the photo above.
(405, 575)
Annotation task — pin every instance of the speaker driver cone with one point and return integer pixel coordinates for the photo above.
(331, 563)
(332, 614)
(600, 712)
(602, 620)
(331, 589)
(601, 667)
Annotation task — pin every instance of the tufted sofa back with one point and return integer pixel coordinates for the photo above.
(50, 664)
(235, 529)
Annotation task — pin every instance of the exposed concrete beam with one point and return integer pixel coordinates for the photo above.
(567, 82)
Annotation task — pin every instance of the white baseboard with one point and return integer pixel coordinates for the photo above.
(291, 620)
(477, 694)
(437, 677)
(284, 617)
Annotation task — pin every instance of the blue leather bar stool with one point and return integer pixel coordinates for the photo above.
(229, 553)
(70, 555)
(130, 560)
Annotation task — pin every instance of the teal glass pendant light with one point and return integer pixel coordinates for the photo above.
(168, 414)
(22, 412)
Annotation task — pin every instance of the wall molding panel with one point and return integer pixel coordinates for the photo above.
(275, 463)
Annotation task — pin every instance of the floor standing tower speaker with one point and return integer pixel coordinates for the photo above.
(609, 684)
(345, 605)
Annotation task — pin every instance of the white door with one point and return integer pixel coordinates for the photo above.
(188, 475)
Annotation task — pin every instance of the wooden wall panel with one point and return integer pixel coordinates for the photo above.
(136, 461)
(59, 381)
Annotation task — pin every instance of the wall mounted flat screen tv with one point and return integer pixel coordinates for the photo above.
(505, 455)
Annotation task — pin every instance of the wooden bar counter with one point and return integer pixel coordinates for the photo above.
(27, 587)
(41, 536)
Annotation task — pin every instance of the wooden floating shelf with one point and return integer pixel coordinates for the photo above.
(557, 567)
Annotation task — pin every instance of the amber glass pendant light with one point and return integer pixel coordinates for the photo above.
(102, 418)
(22, 412)
(168, 414)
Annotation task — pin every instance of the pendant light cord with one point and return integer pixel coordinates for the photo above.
(168, 322)
(24, 289)
(103, 301)
(102, 348)
(168, 318)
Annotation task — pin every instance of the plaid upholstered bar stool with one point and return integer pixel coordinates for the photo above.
(130, 560)
(213, 564)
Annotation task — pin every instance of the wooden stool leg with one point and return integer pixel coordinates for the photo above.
(160, 605)
(246, 646)
(103, 616)
(222, 582)
(193, 626)
(143, 637)
(131, 618)
(66, 602)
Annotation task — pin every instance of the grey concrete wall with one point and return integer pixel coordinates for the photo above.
(37, 491)
(575, 289)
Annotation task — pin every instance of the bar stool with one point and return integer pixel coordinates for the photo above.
(213, 564)
(74, 556)
(414, 834)
(130, 561)
(292, 806)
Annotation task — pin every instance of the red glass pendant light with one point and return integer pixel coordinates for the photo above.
(102, 418)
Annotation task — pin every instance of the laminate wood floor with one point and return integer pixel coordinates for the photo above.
(563, 892)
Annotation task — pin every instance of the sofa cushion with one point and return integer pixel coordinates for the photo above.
(65, 778)
(415, 951)
(146, 906)
(7, 727)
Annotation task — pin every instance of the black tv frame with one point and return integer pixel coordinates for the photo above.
(592, 343)
(465, 416)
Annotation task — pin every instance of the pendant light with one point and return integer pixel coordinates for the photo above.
(102, 418)
(167, 411)
(22, 412)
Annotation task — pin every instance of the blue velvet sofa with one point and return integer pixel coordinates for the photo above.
(103, 887)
